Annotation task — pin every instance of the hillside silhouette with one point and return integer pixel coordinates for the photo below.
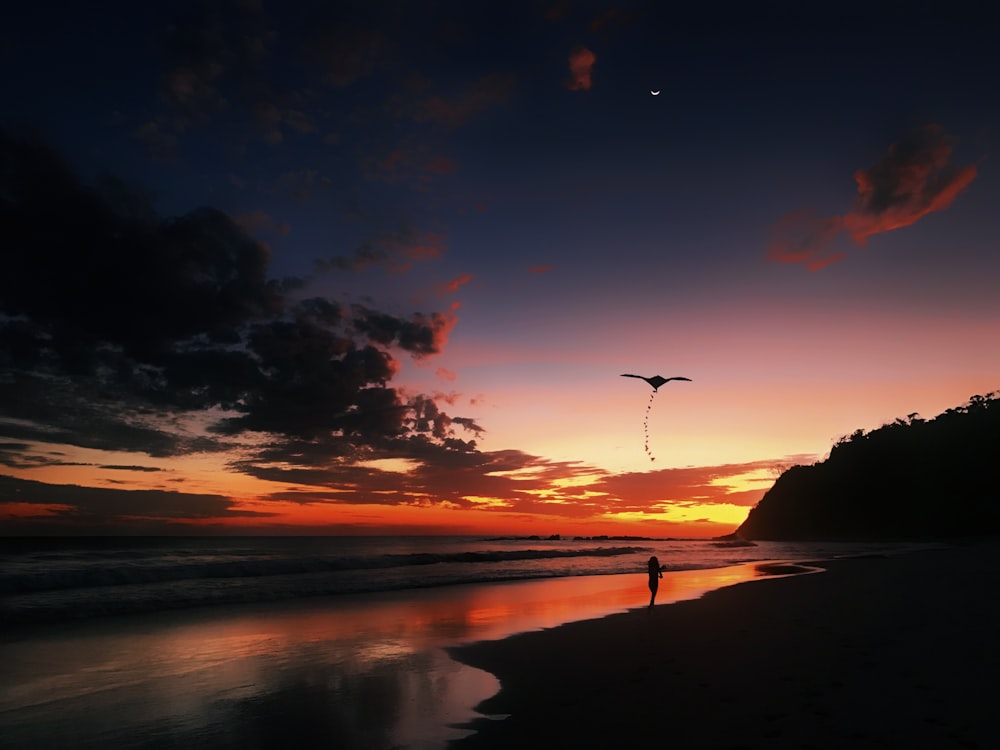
(909, 479)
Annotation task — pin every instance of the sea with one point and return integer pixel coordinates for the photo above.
(311, 642)
(46, 579)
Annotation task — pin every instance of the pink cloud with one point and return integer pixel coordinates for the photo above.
(446, 374)
(539, 269)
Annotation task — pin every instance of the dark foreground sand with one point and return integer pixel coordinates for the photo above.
(900, 651)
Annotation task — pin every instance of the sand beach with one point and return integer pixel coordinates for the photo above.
(876, 652)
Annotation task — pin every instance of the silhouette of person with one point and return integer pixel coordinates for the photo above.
(655, 574)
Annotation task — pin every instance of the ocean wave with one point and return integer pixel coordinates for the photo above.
(114, 569)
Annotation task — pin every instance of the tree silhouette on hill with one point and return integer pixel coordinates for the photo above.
(908, 479)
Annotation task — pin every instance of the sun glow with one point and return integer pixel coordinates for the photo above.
(487, 502)
(393, 465)
(720, 513)
(758, 479)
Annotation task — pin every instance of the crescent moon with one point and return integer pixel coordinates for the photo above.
(654, 93)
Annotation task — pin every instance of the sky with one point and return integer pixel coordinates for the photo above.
(377, 268)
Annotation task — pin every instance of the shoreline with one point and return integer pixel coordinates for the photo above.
(871, 652)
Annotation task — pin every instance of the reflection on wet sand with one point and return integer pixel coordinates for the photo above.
(352, 672)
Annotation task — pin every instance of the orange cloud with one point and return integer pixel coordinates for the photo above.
(460, 280)
(581, 63)
(803, 237)
(480, 490)
(260, 221)
(539, 269)
(913, 180)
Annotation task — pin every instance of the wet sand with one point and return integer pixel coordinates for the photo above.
(877, 652)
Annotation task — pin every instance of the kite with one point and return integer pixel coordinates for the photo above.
(656, 381)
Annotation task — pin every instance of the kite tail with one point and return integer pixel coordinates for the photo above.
(645, 426)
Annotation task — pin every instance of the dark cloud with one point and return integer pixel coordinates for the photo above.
(477, 97)
(24, 456)
(468, 424)
(408, 162)
(441, 165)
(428, 418)
(73, 507)
(261, 221)
(57, 409)
(610, 21)
(302, 184)
(215, 50)
(395, 250)
(417, 431)
(116, 326)
(311, 381)
(159, 139)
(421, 335)
(439, 475)
(74, 262)
(347, 53)
(226, 64)
(367, 255)
(914, 179)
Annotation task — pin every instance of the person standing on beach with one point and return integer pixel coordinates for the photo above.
(655, 574)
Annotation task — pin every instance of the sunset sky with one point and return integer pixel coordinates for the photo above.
(377, 267)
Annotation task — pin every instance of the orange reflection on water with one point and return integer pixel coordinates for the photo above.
(365, 670)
